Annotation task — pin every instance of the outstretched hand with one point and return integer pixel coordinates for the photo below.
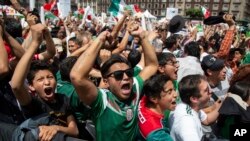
(105, 35)
(37, 32)
(229, 19)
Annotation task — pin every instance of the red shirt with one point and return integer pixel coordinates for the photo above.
(149, 121)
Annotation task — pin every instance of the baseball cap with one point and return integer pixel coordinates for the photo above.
(212, 63)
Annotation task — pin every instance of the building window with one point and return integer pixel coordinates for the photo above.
(155, 12)
(225, 7)
(179, 11)
(214, 14)
(163, 12)
(149, 6)
(171, 4)
(156, 5)
(143, 5)
(164, 5)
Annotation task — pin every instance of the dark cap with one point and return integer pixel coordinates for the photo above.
(176, 24)
(212, 63)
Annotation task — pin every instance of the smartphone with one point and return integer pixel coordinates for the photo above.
(214, 97)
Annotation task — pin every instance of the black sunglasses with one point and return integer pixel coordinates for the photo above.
(118, 75)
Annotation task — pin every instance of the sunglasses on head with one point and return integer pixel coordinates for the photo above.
(118, 75)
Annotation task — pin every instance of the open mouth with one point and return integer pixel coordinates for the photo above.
(48, 91)
(126, 88)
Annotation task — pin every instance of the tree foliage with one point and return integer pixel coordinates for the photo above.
(194, 13)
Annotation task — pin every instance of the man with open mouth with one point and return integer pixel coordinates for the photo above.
(114, 109)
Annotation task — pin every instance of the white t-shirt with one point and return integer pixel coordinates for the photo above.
(189, 65)
(185, 123)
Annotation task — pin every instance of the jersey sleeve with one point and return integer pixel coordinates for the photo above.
(99, 105)
(159, 135)
(140, 82)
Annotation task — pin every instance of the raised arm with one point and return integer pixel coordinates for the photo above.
(50, 47)
(150, 58)
(4, 65)
(118, 26)
(16, 47)
(228, 39)
(22, 68)
(85, 88)
(122, 45)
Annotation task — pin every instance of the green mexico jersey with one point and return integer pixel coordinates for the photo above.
(81, 112)
(115, 120)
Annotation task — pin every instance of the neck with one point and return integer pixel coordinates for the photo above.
(213, 82)
(195, 107)
(157, 110)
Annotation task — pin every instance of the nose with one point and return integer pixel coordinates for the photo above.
(175, 94)
(177, 65)
(125, 77)
(46, 81)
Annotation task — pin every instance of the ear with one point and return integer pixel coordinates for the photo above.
(194, 100)
(161, 69)
(154, 100)
(105, 81)
(31, 88)
(209, 72)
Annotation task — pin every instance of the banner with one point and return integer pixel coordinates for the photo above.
(9, 10)
(64, 8)
(171, 12)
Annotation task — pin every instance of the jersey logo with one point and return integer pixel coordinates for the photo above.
(129, 114)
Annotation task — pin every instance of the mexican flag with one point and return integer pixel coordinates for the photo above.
(134, 8)
(206, 13)
(50, 15)
(117, 7)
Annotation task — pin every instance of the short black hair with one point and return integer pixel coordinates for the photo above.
(134, 57)
(13, 27)
(170, 41)
(36, 66)
(115, 58)
(74, 39)
(192, 49)
(242, 89)
(65, 67)
(153, 87)
(189, 87)
(164, 57)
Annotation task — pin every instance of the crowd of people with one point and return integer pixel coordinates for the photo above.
(77, 80)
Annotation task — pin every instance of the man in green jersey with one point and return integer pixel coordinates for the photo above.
(114, 109)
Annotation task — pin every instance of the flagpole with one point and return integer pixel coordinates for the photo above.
(96, 5)
(32, 4)
(42, 18)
